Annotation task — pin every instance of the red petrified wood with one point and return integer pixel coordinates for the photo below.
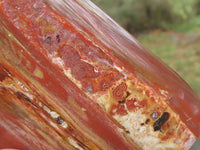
(71, 78)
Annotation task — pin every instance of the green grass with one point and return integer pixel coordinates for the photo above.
(179, 48)
(191, 26)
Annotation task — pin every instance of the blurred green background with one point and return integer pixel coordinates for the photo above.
(168, 28)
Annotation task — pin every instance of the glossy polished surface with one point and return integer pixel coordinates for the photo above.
(58, 59)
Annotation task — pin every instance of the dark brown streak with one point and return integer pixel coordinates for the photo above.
(22, 96)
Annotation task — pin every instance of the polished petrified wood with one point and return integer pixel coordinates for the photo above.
(71, 78)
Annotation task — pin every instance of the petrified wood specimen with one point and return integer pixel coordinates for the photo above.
(71, 78)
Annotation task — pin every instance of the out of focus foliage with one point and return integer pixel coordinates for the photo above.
(140, 15)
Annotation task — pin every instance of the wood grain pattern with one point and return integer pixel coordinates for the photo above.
(67, 83)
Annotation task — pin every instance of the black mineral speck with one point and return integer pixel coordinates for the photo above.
(58, 38)
(158, 123)
(48, 40)
(59, 120)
